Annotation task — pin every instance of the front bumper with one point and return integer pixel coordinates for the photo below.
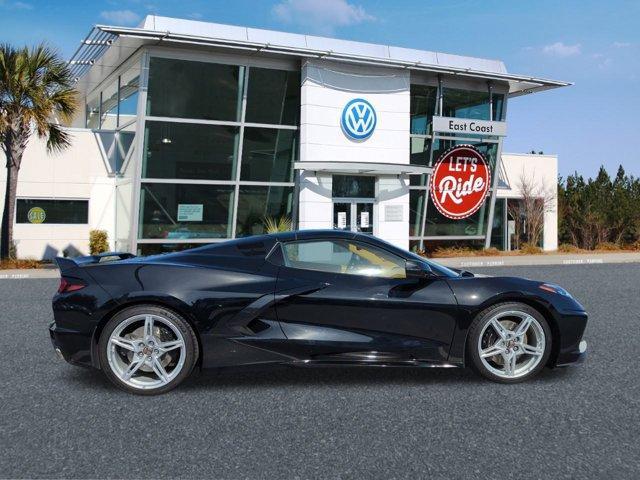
(574, 357)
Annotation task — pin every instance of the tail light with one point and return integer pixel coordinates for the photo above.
(70, 285)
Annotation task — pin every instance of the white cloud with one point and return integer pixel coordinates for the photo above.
(559, 49)
(124, 17)
(195, 16)
(16, 5)
(323, 16)
(621, 44)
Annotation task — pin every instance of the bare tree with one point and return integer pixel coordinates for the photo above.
(530, 210)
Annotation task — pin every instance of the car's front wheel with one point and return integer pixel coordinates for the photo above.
(147, 349)
(509, 342)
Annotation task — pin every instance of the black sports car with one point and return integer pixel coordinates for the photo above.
(304, 298)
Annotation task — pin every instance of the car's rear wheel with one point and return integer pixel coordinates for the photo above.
(147, 349)
(509, 342)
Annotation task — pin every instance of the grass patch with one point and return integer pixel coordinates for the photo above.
(18, 264)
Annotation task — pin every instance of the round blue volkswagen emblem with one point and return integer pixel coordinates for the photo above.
(358, 119)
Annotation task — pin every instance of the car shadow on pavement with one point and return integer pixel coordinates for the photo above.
(320, 377)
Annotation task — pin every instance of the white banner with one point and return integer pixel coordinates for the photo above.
(468, 126)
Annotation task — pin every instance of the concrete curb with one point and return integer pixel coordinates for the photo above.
(457, 262)
(548, 259)
(29, 273)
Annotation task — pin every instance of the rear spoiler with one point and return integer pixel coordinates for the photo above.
(66, 264)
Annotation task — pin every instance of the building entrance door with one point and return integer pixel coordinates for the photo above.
(354, 214)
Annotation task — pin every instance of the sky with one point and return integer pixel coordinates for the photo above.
(594, 44)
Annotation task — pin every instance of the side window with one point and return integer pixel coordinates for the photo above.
(340, 256)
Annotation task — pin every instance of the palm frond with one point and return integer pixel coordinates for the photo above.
(275, 225)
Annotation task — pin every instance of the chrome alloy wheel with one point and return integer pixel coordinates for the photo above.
(146, 351)
(511, 344)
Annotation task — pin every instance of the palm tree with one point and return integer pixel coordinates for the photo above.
(36, 89)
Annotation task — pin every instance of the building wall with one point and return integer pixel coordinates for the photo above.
(79, 172)
(542, 170)
(326, 89)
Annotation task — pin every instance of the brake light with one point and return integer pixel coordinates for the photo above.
(67, 285)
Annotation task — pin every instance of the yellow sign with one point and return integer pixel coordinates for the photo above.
(36, 215)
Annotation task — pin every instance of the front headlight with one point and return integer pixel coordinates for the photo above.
(550, 287)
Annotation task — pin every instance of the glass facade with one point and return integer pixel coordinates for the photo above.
(190, 150)
(423, 107)
(219, 146)
(256, 203)
(466, 104)
(426, 222)
(187, 89)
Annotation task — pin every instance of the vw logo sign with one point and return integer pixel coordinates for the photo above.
(358, 119)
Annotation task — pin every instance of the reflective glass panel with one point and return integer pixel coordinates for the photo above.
(158, 248)
(465, 104)
(177, 211)
(416, 211)
(353, 186)
(129, 83)
(498, 106)
(268, 154)
(109, 107)
(273, 96)
(258, 204)
(419, 148)
(438, 224)
(190, 150)
(93, 113)
(423, 106)
(186, 89)
(52, 211)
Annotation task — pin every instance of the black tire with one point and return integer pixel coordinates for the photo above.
(190, 343)
(477, 327)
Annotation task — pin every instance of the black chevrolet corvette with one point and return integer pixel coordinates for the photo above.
(305, 298)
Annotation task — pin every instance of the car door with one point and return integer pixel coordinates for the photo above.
(352, 302)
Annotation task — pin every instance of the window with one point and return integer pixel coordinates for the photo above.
(179, 211)
(353, 186)
(423, 106)
(416, 211)
(256, 204)
(268, 154)
(190, 150)
(186, 89)
(93, 113)
(109, 107)
(128, 100)
(273, 96)
(52, 211)
(465, 104)
(341, 256)
(498, 106)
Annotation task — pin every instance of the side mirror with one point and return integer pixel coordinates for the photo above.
(415, 269)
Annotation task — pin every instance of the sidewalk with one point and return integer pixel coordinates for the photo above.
(458, 262)
(546, 259)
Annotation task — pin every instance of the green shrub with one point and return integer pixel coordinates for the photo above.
(98, 242)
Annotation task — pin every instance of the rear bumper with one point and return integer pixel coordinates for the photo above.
(70, 345)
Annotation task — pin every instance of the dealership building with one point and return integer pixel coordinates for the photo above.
(195, 132)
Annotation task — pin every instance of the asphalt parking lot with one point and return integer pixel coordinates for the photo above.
(584, 422)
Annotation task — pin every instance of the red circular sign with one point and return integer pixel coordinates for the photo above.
(460, 182)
